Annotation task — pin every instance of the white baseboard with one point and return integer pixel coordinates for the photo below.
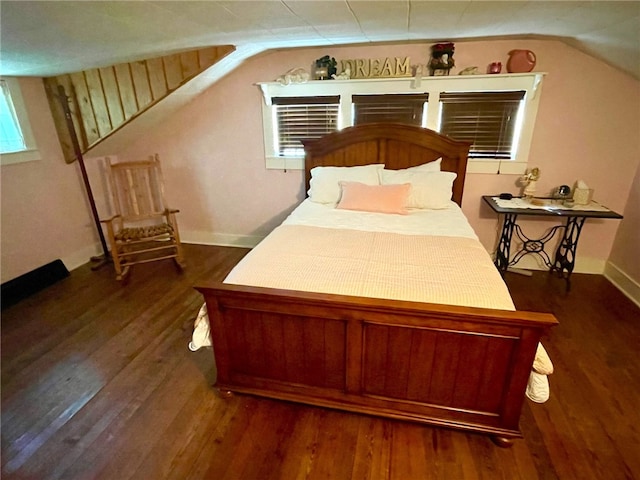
(583, 265)
(83, 256)
(220, 239)
(623, 282)
(79, 258)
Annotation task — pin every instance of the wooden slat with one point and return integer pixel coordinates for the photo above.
(444, 368)
(468, 381)
(64, 135)
(98, 101)
(127, 91)
(173, 71)
(314, 358)
(272, 335)
(495, 368)
(157, 78)
(74, 109)
(112, 96)
(375, 348)
(85, 108)
(423, 349)
(141, 84)
(189, 65)
(398, 362)
(294, 353)
(209, 56)
(335, 354)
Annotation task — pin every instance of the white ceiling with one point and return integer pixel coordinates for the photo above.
(45, 38)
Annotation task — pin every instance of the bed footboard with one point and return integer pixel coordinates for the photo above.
(441, 365)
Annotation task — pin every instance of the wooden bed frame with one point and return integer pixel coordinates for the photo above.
(450, 366)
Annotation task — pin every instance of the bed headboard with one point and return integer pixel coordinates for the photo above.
(393, 144)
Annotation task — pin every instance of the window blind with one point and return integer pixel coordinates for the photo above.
(302, 118)
(397, 108)
(486, 119)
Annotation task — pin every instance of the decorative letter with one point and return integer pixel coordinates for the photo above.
(402, 67)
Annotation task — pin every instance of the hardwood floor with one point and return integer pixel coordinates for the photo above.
(98, 383)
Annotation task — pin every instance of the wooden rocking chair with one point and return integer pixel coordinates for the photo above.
(143, 229)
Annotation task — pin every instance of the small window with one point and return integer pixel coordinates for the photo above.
(400, 108)
(17, 143)
(11, 137)
(302, 118)
(487, 119)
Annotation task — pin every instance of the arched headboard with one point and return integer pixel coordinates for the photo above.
(395, 145)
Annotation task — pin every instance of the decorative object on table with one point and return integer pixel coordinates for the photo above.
(325, 67)
(494, 67)
(345, 75)
(441, 58)
(582, 194)
(469, 71)
(521, 61)
(562, 192)
(295, 75)
(570, 223)
(529, 180)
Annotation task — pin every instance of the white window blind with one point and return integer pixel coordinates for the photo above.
(486, 119)
(302, 118)
(396, 108)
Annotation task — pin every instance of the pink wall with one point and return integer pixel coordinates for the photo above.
(44, 212)
(625, 248)
(214, 160)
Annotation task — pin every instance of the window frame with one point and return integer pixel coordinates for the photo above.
(529, 82)
(30, 153)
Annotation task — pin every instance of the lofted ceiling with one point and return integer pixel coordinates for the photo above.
(46, 38)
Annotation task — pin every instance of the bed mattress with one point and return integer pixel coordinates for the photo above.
(430, 256)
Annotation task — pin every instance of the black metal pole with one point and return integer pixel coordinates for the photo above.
(64, 100)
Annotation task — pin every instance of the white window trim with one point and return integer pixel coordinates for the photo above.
(529, 82)
(31, 152)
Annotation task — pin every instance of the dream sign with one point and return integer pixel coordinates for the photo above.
(377, 68)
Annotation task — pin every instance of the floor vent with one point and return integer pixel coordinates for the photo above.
(25, 285)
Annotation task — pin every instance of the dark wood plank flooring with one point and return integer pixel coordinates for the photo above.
(98, 383)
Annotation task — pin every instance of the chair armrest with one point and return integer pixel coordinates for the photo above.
(171, 210)
(110, 220)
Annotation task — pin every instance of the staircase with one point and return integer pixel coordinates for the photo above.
(104, 100)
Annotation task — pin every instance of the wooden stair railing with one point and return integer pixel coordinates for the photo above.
(103, 100)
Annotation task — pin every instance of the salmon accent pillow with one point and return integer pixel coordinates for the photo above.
(374, 198)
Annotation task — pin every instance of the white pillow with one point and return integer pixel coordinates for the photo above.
(324, 186)
(430, 190)
(425, 167)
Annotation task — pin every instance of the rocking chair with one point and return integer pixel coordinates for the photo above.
(143, 229)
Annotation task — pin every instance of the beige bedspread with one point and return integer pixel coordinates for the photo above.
(433, 269)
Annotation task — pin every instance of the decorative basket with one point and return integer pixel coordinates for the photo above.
(582, 196)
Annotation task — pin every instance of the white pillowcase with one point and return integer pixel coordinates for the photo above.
(425, 167)
(429, 190)
(324, 186)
